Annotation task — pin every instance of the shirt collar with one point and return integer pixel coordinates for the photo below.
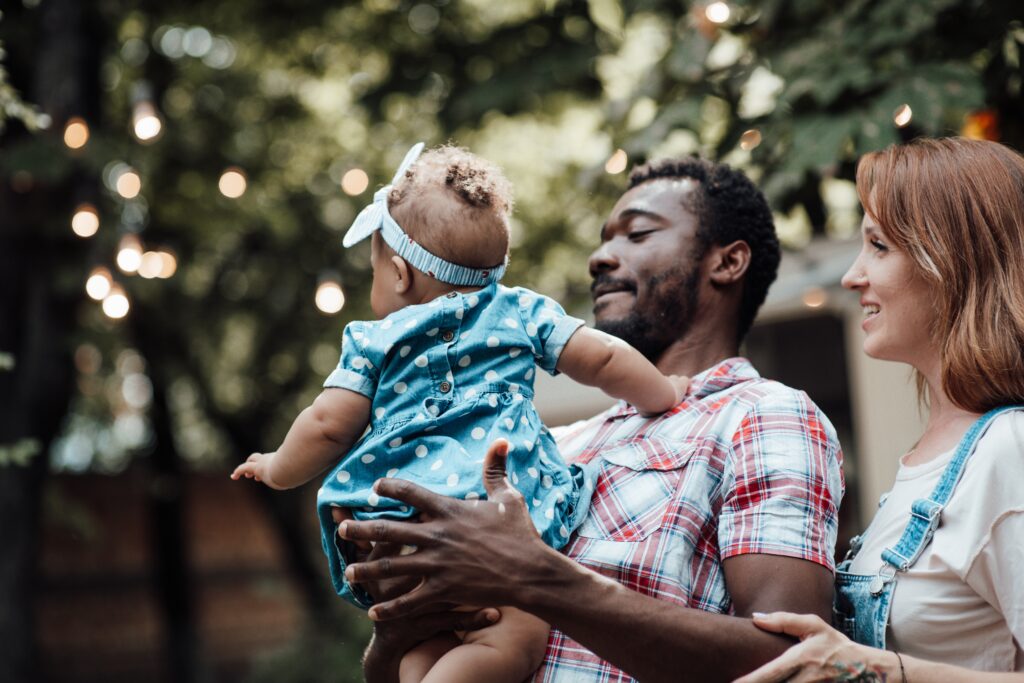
(718, 377)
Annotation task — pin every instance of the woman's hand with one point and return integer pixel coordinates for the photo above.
(824, 654)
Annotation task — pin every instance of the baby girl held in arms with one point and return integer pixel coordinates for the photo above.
(448, 368)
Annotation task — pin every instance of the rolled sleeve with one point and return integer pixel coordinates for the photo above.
(784, 482)
(359, 366)
(548, 327)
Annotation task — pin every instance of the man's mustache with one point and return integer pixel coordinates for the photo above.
(607, 283)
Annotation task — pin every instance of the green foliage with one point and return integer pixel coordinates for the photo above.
(19, 453)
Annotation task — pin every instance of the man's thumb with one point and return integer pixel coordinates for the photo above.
(495, 462)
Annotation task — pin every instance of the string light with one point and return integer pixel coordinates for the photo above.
(355, 182)
(129, 184)
(116, 305)
(750, 139)
(329, 297)
(901, 117)
(814, 297)
(86, 221)
(151, 265)
(76, 133)
(145, 122)
(232, 183)
(129, 254)
(617, 162)
(97, 286)
(168, 264)
(717, 12)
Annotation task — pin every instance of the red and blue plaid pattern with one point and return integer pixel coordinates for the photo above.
(743, 465)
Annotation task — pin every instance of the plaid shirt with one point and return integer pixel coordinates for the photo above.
(743, 465)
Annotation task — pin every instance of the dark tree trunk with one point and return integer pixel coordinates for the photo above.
(36, 316)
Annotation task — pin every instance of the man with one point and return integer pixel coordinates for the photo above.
(725, 506)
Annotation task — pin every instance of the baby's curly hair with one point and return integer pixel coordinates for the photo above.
(456, 205)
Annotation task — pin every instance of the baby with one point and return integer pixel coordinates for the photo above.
(446, 369)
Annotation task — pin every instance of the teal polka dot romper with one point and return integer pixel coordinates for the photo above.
(447, 378)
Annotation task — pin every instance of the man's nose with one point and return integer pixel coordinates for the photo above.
(603, 260)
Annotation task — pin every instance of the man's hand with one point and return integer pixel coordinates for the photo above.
(466, 550)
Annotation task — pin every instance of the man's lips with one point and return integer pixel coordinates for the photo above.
(604, 288)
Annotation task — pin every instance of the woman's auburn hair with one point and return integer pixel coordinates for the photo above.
(956, 207)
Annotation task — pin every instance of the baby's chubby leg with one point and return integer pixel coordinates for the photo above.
(507, 652)
(417, 662)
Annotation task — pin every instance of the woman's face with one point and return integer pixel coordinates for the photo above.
(896, 299)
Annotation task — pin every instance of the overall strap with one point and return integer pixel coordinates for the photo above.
(925, 513)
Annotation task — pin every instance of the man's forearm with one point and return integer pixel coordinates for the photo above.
(652, 640)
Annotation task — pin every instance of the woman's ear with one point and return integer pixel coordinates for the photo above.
(403, 274)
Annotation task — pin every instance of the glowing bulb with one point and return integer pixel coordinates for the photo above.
(901, 117)
(116, 305)
(329, 297)
(151, 265)
(815, 297)
(146, 123)
(129, 254)
(76, 133)
(232, 183)
(86, 221)
(617, 162)
(168, 264)
(717, 12)
(98, 284)
(355, 182)
(129, 184)
(750, 139)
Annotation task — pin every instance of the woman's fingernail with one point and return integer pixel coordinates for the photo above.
(343, 529)
(372, 613)
(760, 615)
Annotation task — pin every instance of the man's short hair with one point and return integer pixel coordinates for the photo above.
(729, 207)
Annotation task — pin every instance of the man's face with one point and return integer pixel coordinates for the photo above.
(646, 273)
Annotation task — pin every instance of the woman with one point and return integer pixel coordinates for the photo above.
(938, 577)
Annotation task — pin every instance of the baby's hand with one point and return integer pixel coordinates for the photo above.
(682, 386)
(255, 467)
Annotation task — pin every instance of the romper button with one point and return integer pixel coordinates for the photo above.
(447, 335)
(451, 295)
(445, 387)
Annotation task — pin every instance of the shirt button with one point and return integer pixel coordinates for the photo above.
(451, 295)
(445, 387)
(447, 335)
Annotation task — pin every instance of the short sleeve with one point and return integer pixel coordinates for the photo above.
(783, 482)
(996, 570)
(359, 367)
(547, 326)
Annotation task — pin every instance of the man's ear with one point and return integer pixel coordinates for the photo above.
(729, 263)
(403, 274)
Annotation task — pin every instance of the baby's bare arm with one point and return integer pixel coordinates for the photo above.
(601, 360)
(320, 434)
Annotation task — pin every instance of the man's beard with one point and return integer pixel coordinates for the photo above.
(664, 316)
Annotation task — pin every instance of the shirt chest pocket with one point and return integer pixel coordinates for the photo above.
(637, 481)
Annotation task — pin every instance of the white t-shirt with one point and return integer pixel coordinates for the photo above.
(962, 602)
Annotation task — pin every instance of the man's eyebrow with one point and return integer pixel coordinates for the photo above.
(637, 212)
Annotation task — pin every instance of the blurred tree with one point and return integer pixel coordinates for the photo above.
(311, 106)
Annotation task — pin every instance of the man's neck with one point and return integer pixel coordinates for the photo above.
(695, 352)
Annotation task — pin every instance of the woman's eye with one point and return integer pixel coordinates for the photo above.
(879, 246)
(638, 235)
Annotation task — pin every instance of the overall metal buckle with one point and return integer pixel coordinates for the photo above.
(886, 573)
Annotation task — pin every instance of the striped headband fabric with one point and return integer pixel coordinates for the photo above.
(376, 217)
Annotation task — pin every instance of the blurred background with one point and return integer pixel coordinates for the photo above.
(175, 179)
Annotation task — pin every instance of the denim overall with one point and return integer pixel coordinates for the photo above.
(863, 601)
